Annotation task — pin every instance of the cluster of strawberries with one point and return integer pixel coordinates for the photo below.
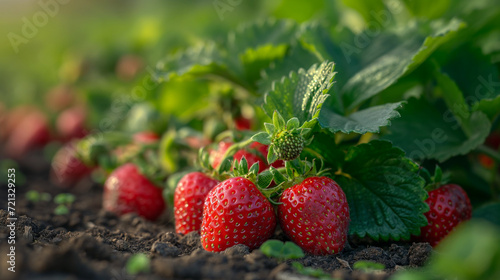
(313, 213)
(312, 210)
(27, 128)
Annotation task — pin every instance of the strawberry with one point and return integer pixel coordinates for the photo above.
(189, 197)
(146, 137)
(251, 157)
(288, 145)
(236, 212)
(67, 169)
(31, 132)
(218, 154)
(126, 190)
(70, 124)
(314, 214)
(60, 98)
(242, 123)
(449, 206)
(128, 66)
(196, 142)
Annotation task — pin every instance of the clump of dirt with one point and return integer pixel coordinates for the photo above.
(90, 243)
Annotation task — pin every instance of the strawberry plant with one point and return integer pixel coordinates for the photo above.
(310, 123)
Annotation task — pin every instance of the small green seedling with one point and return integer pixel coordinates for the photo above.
(313, 272)
(35, 196)
(64, 200)
(368, 266)
(137, 263)
(281, 251)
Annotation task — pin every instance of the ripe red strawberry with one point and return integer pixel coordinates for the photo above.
(242, 123)
(449, 206)
(218, 154)
(146, 137)
(196, 142)
(126, 190)
(31, 132)
(67, 169)
(189, 197)
(314, 214)
(70, 124)
(251, 157)
(236, 212)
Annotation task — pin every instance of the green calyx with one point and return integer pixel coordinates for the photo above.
(90, 150)
(286, 140)
(436, 181)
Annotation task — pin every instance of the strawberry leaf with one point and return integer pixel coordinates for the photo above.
(254, 168)
(277, 176)
(278, 249)
(246, 52)
(425, 131)
(323, 147)
(385, 194)
(262, 138)
(198, 60)
(489, 107)
(301, 94)
(395, 63)
(296, 58)
(367, 120)
(264, 179)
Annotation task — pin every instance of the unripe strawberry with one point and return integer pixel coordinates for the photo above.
(288, 146)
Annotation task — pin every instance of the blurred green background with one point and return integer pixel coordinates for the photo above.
(81, 40)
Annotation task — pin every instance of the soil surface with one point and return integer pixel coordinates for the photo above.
(89, 243)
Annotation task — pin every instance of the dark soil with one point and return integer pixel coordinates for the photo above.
(89, 243)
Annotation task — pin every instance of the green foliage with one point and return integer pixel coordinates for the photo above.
(64, 201)
(301, 94)
(489, 107)
(368, 266)
(426, 131)
(137, 263)
(470, 252)
(35, 196)
(489, 212)
(422, 74)
(309, 271)
(394, 63)
(64, 198)
(283, 251)
(61, 210)
(429, 9)
(238, 59)
(367, 120)
(385, 194)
